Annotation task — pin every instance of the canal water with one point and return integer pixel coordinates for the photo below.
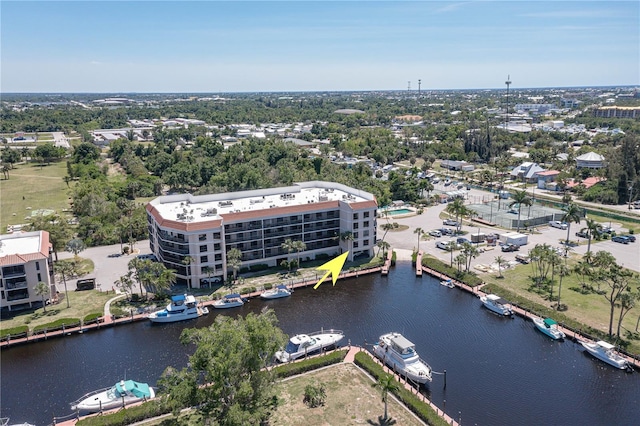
(500, 371)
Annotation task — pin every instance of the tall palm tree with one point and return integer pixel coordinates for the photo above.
(386, 383)
(42, 289)
(65, 269)
(458, 209)
(471, 252)
(500, 261)
(460, 260)
(348, 237)
(563, 271)
(234, 259)
(289, 246)
(594, 229)
(299, 246)
(520, 198)
(383, 246)
(571, 214)
(583, 269)
(209, 271)
(75, 246)
(187, 261)
(419, 232)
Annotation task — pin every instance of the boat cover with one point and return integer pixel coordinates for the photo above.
(178, 298)
(281, 287)
(140, 390)
(549, 322)
(232, 296)
(401, 343)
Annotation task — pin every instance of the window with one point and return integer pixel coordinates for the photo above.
(202, 237)
(204, 259)
(37, 266)
(203, 248)
(218, 257)
(216, 246)
(355, 216)
(366, 224)
(365, 243)
(216, 235)
(366, 215)
(355, 244)
(355, 235)
(365, 233)
(39, 277)
(356, 225)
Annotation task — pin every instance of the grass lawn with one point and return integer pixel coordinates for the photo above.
(29, 185)
(81, 303)
(626, 225)
(590, 309)
(351, 400)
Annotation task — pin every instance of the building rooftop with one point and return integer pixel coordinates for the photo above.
(205, 208)
(22, 247)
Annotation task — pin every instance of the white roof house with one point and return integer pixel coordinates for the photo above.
(590, 160)
(526, 170)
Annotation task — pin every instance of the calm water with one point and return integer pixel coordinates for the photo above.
(499, 371)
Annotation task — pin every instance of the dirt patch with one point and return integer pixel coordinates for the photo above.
(351, 400)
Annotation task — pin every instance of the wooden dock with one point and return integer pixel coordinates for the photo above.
(387, 263)
(419, 264)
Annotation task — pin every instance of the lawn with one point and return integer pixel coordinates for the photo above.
(351, 400)
(81, 304)
(590, 309)
(29, 188)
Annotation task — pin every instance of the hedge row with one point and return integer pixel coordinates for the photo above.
(67, 322)
(468, 278)
(15, 331)
(91, 317)
(419, 408)
(127, 416)
(287, 370)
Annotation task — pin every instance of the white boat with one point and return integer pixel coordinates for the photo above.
(276, 293)
(606, 352)
(122, 393)
(549, 327)
(305, 344)
(447, 283)
(400, 354)
(232, 300)
(496, 304)
(182, 307)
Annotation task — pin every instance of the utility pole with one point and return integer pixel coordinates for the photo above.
(508, 83)
(419, 83)
(409, 86)
(630, 189)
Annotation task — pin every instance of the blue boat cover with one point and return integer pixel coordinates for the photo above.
(232, 296)
(281, 287)
(549, 322)
(138, 389)
(177, 298)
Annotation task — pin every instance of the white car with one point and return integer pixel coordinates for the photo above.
(558, 224)
(435, 233)
(444, 245)
(450, 222)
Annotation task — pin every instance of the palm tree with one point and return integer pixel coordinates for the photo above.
(384, 246)
(348, 237)
(75, 246)
(386, 227)
(65, 269)
(571, 214)
(460, 260)
(458, 209)
(209, 271)
(520, 198)
(289, 246)
(187, 261)
(583, 269)
(42, 289)
(500, 261)
(471, 252)
(386, 383)
(234, 259)
(594, 229)
(419, 232)
(299, 246)
(562, 272)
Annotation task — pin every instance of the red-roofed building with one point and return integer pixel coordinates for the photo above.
(587, 183)
(547, 178)
(25, 260)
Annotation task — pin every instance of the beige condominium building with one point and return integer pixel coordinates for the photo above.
(192, 234)
(25, 260)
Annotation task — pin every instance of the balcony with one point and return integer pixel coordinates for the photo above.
(17, 295)
(171, 238)
(15, 285)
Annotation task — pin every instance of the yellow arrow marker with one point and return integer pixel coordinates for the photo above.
(333, 267)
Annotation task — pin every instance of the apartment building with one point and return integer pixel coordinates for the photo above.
(192, 234)
(617, 112)
(25, 260)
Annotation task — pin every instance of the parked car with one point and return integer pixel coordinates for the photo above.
(435, 180)
(462, 240)
(447, 231)
(607, 229)
(212, 280)
(435, 233)
(558, 224)
(582, 234)
(510, 247)
(151, 257)
(621, 239)
(523, 258)
(445, 245)
(632, 238)
(450, 222)
(447, 182)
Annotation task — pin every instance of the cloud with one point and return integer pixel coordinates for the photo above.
(96, 63)
(451, 7)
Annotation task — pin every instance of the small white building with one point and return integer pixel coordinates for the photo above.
(590, 160)
(514, 238)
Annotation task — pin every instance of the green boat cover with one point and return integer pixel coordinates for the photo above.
(549, 322)
(140, 390)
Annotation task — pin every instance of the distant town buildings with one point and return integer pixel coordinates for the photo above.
(617, 112)
(590, 160)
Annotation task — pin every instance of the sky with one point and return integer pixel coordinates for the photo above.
(268, 46)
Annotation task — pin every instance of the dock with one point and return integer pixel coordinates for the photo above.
(419, 264)
(387, 263)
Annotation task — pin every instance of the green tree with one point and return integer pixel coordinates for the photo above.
(234, 260)
(187, 261)
(125, 283)
(420, 234)
(458, 209)
(471, 252)
(227, 379)
(386, 383)
(299, 246)
(563, 271)
(65, 270)
(520, 198)
(500, 261)
(75, 246)
(42, 289)
(57, 227)
(572, 213)
(594, 230)
(627, 301)
(348, 237)
(289, 246)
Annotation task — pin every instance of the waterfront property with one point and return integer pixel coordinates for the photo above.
(25, 260)
(193, 234)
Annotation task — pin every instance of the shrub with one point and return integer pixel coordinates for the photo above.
(315, 395)
(91, 317)
(393, 258)
(468, 278)
(58, 324)
(258, 267)
(127, 416)
(14, 332)
(268, 286)
(322, 256)
(291, 369)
